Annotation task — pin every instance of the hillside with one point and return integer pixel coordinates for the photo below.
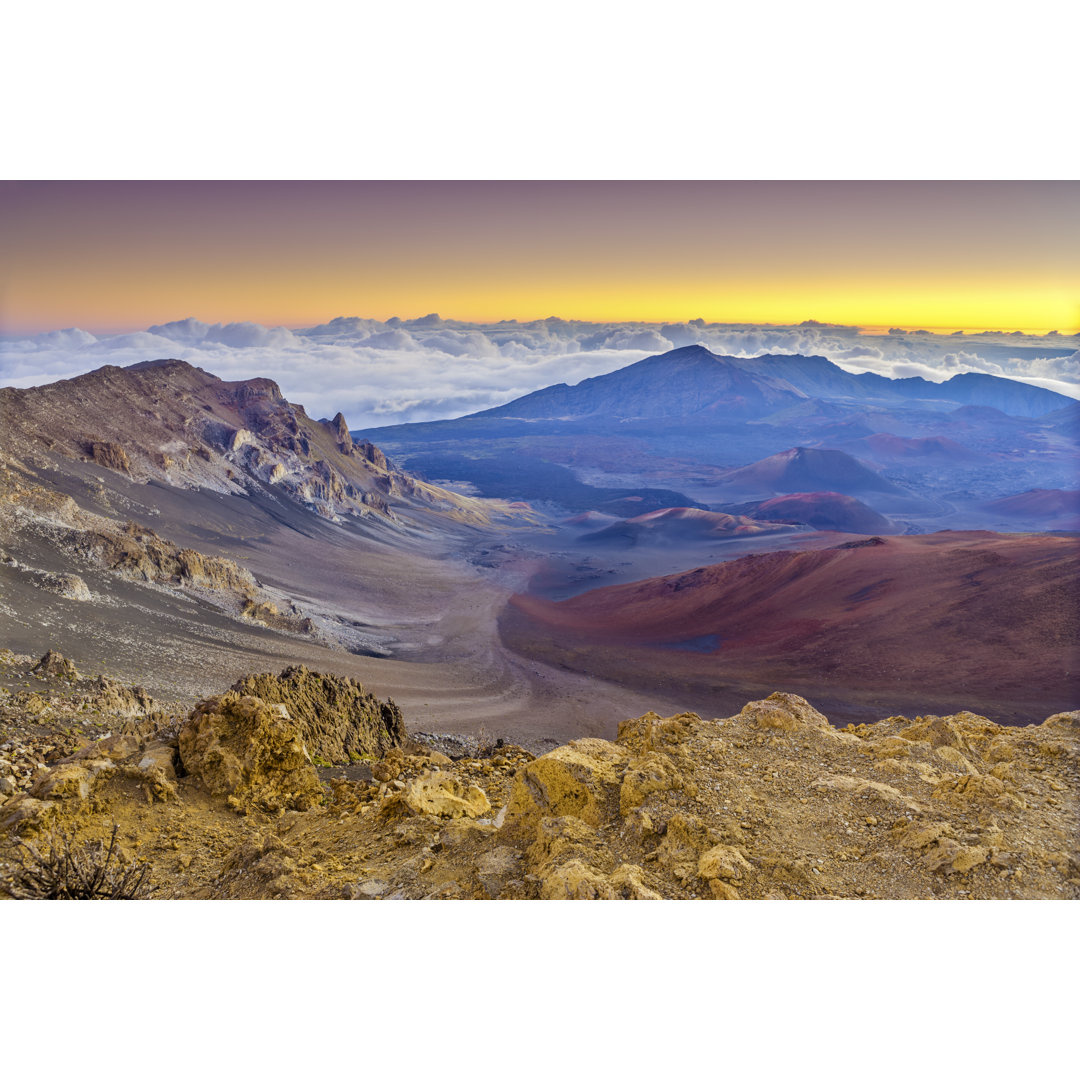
(889, 449)
(170, 424)
(868, 625)
(975, 389)
(1041, 509)
(804, 469)
(687, 382)
(826, 510)
(681, 525)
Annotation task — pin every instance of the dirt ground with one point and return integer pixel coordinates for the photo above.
(770, 803)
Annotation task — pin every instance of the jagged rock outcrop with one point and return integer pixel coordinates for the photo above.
(111, 456)
(249, 752)
(134, 552)
(110, 696)
(784, 712)
(170, 422)
(54, 665)
(338, 720)
(770, 803)
(140, 553)
(69, 586)
(439, 795)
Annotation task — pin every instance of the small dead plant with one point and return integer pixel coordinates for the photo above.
(65, 872)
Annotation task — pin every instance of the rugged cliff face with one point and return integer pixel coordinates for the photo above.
(773, 802)
(87, 540)
(168, 422)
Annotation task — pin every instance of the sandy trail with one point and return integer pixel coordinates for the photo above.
(439, 615)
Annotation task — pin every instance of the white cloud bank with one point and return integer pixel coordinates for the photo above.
(400, 371)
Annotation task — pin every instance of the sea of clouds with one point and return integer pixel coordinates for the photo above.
(401, 371)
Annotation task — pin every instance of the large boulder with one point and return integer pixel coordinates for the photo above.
(338, 720)
(251, 753)
(110, 696)
(440, 795)
(579, 780)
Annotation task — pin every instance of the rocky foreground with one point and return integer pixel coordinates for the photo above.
(306, 786)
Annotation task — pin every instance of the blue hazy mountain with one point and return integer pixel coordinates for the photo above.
(694, 424)
(692, 382)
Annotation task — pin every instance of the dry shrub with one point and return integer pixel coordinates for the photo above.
(65, 872)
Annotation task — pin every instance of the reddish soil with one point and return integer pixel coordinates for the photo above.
(1051, 508)
(886, 447)
(979, 620)
(804, 469)
(682, 524)
(825, 510)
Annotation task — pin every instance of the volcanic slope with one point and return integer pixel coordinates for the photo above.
(1041, 509)
(692, 381)
(684, 382)
(823, 510)
(180, 529)
(888, 449)
(802, 470)
(168, 423)
(870, 626)
(681, 525)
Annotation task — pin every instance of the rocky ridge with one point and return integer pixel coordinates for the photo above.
(48, 711)
(337, 719)
(773, 802)
(130, 550)
(169, 422)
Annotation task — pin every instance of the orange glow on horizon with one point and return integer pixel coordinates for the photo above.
(112, 257)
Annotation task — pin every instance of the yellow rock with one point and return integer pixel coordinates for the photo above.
(1001, 749)
(961, 789)
(442, 795)
(645, 775)
(916, 835)
(722, 861)
(891, 746)
(652, 731)
(942, 853)
(1069, 721)
(561, 839)
(721, 890)
(907, 768)
(25, 814)
(885, 793)
(628, 884)
(969, 857)
(785, 712)
(575, 881)
(239, 747)
(953, 756)
(577, 780)
(684, 841)
(69, 781)
(964, 731)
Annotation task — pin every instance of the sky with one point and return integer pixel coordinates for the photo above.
(330, 287)
(112, 256)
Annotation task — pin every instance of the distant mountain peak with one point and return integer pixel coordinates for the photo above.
(685, 382)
